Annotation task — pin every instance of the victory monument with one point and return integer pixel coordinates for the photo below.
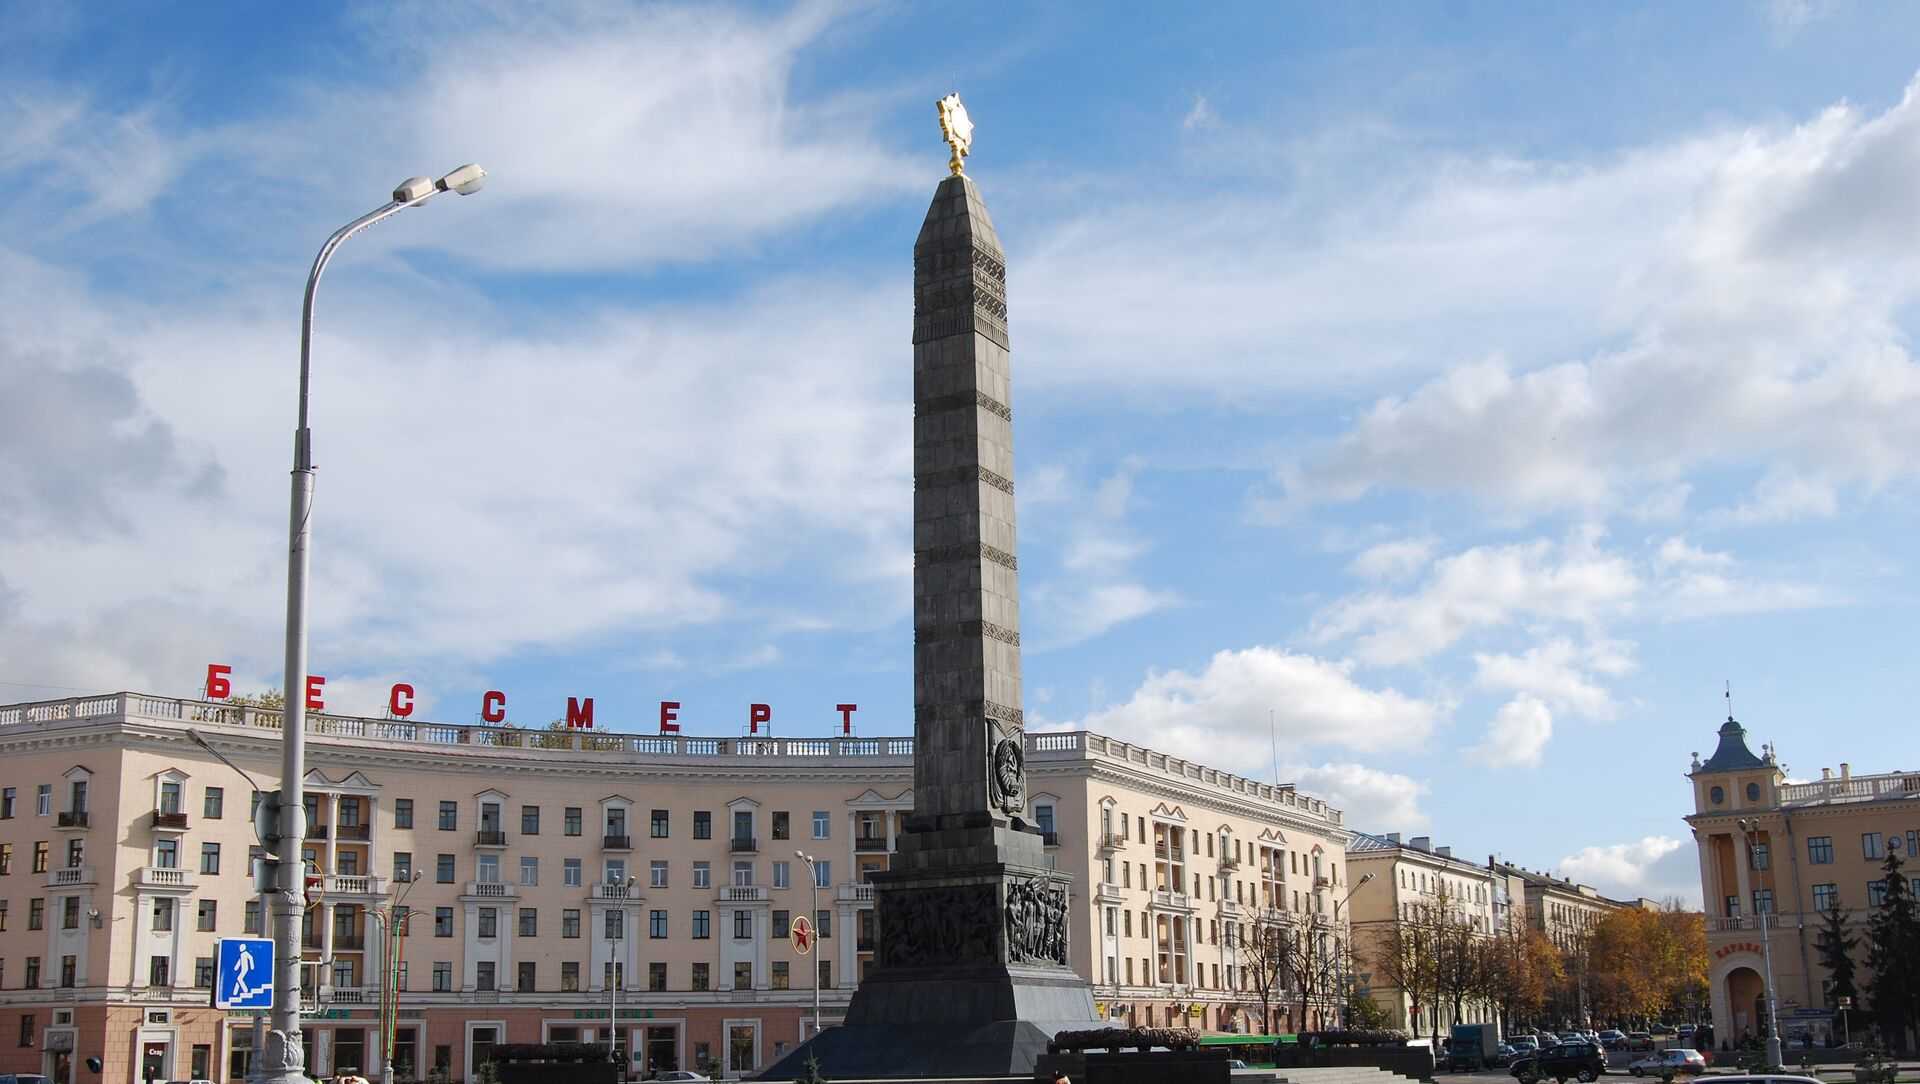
(971, 973)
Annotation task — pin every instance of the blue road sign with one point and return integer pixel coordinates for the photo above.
(243, 978)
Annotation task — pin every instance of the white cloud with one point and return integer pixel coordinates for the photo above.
(1225, 709)
(1517, 736)
(1484, 587)
(1631, 869)
(1558, 672)
(1783, 496)
(1201, 116)
(1097, 586)
(1394, 560)
(1366, 796)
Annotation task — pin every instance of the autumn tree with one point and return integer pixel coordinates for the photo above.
(1406, 954)
(1641, 963)
(1525, 969)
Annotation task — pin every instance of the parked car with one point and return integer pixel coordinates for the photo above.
(1611, 1039)
(682, 1075)
(1525, 1044)
(1661, 1029)
(1639, 1040)
(1578, 1060)
(1678, 1060)
(1685, 1031)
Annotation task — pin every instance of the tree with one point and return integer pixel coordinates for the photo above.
(1406, 955)
(1263, 958)
(1526, 968)
(1642, 963)
(1835, 947)
(1893, 955)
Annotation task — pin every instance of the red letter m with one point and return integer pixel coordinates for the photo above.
(580, 712)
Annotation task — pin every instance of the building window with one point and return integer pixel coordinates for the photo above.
(702, 926)
(43, 798)
(403, 812)
(1870, 845)
(570, 922)
(442, 976)
(570, 872)
(700, 976)
(1753, 792)
(524, 981)
(570, 976)
(529, 820)
(26, 1029)
(162, 915)
(529, 871)
(403, 866)
(70, 913)
(780, 974)
(40, 855)
(781, 925)
(743, 976)
(825, 977)
(488, 869)
(656, 924)
(572, 820)
(6, 859)
(782, 874)
(1825, 897)
(443, 869)
(822, 825)
(210, 858)
(1757, 855)
(702, 825)
(1875, 891)
(214, 804)
(1819, 850)
(207, 915)
(443, 922)
(6, 803)
(1763, 901)
(529, 922)
(483, 975)
(250, 918)
(742, 874)
(657, 874)
(33, 973)
(703, 875)
(781, 828)
(615, 926)
(822, 873)
(1043, 819)
(659, 829)
(159, 971)
(823, 923)
(742, 925)
(203, 972)
(489, 923)
(656, 976)
(449, 816)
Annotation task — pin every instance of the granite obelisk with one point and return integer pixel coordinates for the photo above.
(972, 971)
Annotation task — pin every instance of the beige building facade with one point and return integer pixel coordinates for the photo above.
(557, 881)
(1774, 856)
(1400, 878)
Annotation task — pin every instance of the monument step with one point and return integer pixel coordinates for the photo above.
(1340, 1075)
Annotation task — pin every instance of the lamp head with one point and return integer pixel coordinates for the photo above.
(413, 190)
(466, 180)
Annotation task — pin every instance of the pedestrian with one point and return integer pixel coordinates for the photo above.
(1060, 1077)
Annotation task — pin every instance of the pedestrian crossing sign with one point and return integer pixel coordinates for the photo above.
(243, 978)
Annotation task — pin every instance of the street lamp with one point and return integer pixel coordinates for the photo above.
(284, 1058)
(1752, 830)
(614, 970)
(813, 882)
(393, 934)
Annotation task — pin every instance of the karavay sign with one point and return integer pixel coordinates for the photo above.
(493, 705)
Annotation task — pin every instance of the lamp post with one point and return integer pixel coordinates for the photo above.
(614, 971)
(284, 1059)
(393, 933)
(813, 882)
(1344, 974)
(1752, 830)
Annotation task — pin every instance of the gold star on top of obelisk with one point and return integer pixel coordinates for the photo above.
(956, 128)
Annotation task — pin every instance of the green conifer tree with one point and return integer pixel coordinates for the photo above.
(1835, 946)
(1893, 955)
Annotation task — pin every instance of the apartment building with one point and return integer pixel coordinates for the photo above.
(1774, 857)
(1398, 882)
(562, 886)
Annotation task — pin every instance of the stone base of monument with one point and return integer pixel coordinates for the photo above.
(1138, 1067)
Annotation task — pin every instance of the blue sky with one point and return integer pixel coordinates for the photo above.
(1452, 396)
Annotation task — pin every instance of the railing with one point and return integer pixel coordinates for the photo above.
(1853, 788)
(744, 845)
(164, 819)
(71, 875)
(1050, 839)
(863, 943)
(1227, 863)
(1111, 842)
(1749, 922)
(743, 894)
(489, 889)
(74, 819)
(160, 877)
(354, 884)
(316, 831)
(493, 837)
(857, 893)
(1172, 900)
(865, 844)
(350, 942)
(612, 892)
(358, 833)
(1107, 892)
(616, 843)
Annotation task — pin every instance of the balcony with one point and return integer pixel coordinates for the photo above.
(1111, 842)
(494, 837)
(856, 893)
(616, 843)
(161, 877)
(171, 821)
(316, 831)
(863, 943)
(744, 845)
(1172, 901)
(613, 892)
(490, 890)
(870, 844)
(355, 833)
(73, 819)
(71, 875)
(743, 894)
(1726, 925)
(1228, 864)
(349, 942)
(1107, 892)
(1050, 839)
(353, 884)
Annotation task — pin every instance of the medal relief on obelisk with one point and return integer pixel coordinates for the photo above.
(967, 703)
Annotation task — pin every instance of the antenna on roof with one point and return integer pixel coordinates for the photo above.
(1729, 701)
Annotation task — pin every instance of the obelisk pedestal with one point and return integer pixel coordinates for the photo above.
(972, 974)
